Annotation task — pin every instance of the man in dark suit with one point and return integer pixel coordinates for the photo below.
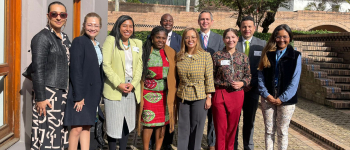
(252, 47)
(173, 40)
(210, 42)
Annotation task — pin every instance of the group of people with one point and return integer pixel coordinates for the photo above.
(168, 80)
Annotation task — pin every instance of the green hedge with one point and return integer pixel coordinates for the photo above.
(296, 32)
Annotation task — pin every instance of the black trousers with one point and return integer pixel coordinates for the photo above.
(192, 115)
(250, 105)
(123, 142)
(211, 137)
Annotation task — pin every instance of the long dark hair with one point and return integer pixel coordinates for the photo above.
(147, 47)
(116, 29)
(272, 46)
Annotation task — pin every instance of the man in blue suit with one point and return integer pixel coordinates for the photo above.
(173, 40)
(210, 42)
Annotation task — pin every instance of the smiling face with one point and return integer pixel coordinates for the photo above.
(167, 22)
(247, 29)
(126, 29)
(92, 27)
(205, 21)
(282, 39)
(159, 40)
(191, 39)
(230, 40)
(56, 22)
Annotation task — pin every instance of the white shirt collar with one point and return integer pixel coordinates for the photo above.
(250, 40)
(208, 34)
(170, 33)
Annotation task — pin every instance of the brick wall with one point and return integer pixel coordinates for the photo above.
(300, 20)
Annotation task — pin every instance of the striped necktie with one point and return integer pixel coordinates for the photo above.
(205, 41)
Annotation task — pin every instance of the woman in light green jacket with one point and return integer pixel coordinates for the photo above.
(122, 65)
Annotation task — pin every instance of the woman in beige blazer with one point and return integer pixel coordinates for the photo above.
(122, 64)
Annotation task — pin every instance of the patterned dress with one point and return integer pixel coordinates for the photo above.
(155, 110)
(48, 131)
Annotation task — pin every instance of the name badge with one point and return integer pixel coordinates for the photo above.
(225, 62)
(136, 49)
(257, 53)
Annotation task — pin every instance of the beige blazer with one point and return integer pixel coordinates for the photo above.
(113, 61)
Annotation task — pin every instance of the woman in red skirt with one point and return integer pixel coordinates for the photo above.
(231, 74)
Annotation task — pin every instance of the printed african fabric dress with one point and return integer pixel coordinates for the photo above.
(155, 110)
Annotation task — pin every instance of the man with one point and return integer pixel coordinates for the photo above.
(174, 41)
(210, 42)
(252, 47)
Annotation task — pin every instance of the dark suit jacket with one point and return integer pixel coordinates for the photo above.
(175, 42)
(256, 45)
(86, 82)
(215, 42)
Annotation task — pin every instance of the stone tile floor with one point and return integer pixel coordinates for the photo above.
(332, 122)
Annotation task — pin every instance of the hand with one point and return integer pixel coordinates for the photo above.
(123, 87)
(41, 107)
(237, 85)
(270, 99)
(247, 88)
(78, 106)
(129, 88)
(207, 103)
(278, 102)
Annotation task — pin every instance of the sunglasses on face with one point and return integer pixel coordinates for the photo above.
(54, 14)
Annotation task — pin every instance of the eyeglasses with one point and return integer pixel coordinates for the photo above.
(54, 14)
(279, 38)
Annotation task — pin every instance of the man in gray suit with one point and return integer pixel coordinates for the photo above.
(252, 47)
(210, 42)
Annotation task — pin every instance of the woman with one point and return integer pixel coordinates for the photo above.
(231, 75)
(86, 80)
(50, 60)
(158, 103)
(278, 78)
(195, 70)
(122, 64)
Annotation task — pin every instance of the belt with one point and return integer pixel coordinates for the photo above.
(185, 89)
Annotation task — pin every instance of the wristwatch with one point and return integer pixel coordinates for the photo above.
(209, 95)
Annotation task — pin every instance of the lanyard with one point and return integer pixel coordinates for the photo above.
(277, 59)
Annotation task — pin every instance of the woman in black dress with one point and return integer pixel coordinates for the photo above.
(86, 80)
(50, 61)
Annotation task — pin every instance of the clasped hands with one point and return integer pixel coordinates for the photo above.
(125, 87)
(274, 101)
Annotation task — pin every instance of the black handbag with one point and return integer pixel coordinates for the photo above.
(28, 72)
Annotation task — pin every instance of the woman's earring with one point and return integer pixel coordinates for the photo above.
(64, 26)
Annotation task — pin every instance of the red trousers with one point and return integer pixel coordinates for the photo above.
(226, 107)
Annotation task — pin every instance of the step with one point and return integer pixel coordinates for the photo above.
(325, 82)
(326, 59)
(320, 53)
(344, 87)
(324, 65)
(316, 48)
(314, 43)
(342, 95)
(338, 72)
(338, 103)
(307, 60)
(319, 74)
(340, 79)
(312, 67)
(329, 90)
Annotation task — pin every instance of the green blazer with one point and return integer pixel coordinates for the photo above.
(113, 59)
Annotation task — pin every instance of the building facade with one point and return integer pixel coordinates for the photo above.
(295, 5)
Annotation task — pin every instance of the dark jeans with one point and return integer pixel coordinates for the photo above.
(250, 105)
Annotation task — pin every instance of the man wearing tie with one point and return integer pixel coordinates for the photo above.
(210, 42)
(252, 47)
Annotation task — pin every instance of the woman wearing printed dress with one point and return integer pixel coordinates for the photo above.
(278, 78)
(231, 75)
(85, 90)
(195, 71)
(158, 103)
(50, 61)
(122, 65)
